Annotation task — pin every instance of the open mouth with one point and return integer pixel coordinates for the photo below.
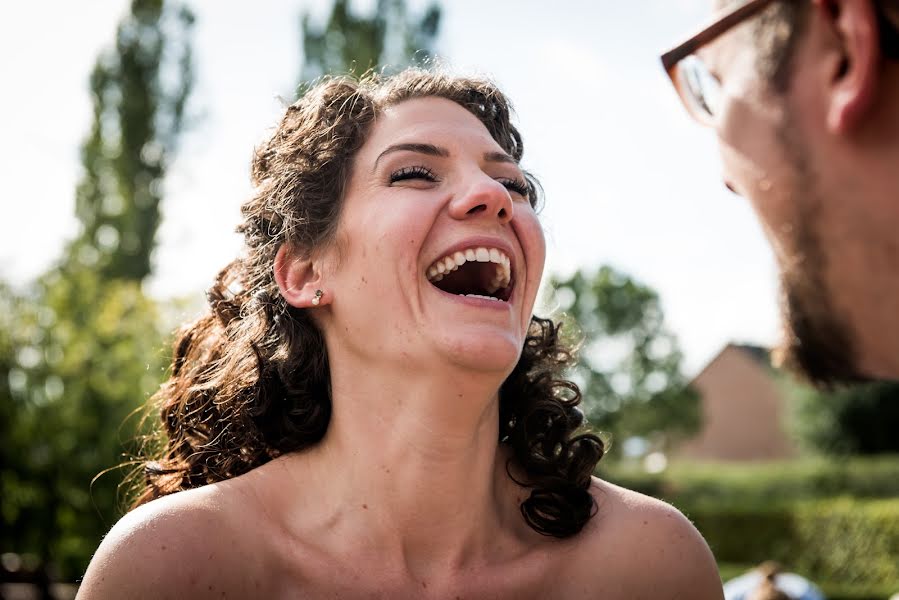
(479, 272)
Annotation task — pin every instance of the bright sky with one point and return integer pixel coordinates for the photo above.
(629, 180)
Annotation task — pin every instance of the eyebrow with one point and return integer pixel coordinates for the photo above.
(432, 150)
(499, 157)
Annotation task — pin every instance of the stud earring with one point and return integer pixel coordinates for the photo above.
(318, 297)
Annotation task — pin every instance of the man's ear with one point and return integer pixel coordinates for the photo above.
(298, 278)
(856, 77)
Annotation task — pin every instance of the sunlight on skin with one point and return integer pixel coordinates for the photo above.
(629, 179)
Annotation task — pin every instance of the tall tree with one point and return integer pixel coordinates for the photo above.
(391, 37)
(140, 90)
(630, 367)
(81, 348)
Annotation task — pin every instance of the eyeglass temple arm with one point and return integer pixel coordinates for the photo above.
(712, 31)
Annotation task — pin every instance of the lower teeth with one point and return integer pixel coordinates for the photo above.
(480, 296)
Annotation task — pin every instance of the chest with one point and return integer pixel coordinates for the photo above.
(372, 579)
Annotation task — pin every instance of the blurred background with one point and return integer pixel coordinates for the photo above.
(127, 131)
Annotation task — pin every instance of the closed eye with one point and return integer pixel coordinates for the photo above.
(519, 186)
(416, 172)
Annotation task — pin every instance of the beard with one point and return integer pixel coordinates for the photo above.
(818, 343)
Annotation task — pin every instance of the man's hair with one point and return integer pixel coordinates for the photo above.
(777, 32)
(782, 24)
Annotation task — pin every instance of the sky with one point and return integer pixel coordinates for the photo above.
(629, 180)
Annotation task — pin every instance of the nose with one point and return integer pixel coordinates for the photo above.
(485, 197)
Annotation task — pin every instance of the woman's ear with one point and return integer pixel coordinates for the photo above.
(298, 279)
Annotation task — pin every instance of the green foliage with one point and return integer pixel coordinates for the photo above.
(630, 372)
(350, 42)
(845, 544)
(81, 348)
(140, 90)
(857, 419)
(832, 521)
(745, 534)
(765, 484)
(860, 541)
(87, 354)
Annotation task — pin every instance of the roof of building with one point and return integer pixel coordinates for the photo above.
(759, 354)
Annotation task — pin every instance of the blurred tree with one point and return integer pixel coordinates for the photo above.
(88, 352)
(857, 419)
(81, 348)
(630, 367)
(390, 37)
(8, 306)
(140, 91)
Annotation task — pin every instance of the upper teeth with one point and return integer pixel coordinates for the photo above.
(453, 261)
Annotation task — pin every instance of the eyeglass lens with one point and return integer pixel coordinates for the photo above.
(702, 88)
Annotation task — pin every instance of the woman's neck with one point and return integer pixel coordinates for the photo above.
(413, 460)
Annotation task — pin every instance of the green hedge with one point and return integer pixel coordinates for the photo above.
(740, 535)
(835, 522)
(850, 541)
(849, 547)
(760, 485)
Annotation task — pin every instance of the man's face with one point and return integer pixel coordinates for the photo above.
(769, 158)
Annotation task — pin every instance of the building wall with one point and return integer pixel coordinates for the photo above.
(742, 409)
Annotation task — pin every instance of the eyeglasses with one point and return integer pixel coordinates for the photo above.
(699, 90)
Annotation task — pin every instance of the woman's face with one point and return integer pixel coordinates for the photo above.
(439, 253)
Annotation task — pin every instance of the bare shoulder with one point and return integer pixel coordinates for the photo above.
(179, 546)
(648, 546)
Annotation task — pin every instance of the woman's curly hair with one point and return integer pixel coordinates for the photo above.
(250, 379)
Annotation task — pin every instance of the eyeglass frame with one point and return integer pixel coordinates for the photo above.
(889, 36)
(706, 35)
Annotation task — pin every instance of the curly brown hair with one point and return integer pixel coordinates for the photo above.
(250, 379)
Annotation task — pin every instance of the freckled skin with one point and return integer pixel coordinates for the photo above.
(440, 515)
(632, 535)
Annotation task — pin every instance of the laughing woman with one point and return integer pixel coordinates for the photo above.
(370, 409)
